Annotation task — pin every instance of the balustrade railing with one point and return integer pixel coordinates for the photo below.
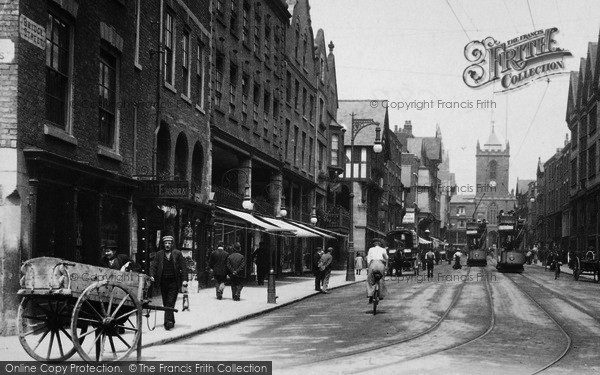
(334, 217)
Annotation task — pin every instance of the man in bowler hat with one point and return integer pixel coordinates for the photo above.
(167, 269)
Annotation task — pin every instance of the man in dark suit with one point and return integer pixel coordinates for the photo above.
(315, 267)
(261, 258)
(218, 266)
(167, 269)
(236, 263)
(325, 267)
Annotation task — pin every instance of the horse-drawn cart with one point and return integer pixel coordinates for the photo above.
(588, 265)
(69, 307)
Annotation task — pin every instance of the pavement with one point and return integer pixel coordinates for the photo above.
(207, 313)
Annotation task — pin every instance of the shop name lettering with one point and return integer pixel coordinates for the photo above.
(167, 189)
(514, 63)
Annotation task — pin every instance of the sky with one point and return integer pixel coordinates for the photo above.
(413, 51)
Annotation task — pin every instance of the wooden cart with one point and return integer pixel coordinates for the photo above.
(587, 265)
(71, 307)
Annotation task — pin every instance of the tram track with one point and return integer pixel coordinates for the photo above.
(470, 341)
(395, 344)
(568, 337)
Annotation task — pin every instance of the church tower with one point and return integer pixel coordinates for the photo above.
(491, 190)
(492, 167)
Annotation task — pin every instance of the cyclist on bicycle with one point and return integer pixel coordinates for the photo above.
(377, 259)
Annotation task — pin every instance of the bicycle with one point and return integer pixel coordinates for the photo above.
(376, 293)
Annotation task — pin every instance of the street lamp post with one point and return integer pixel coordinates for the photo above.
(271, 291)
(356, 126)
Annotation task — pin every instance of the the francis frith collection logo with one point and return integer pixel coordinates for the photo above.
(516, 62)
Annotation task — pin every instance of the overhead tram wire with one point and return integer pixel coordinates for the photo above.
(468, 17)
(534, 116)
(460, 23)
(506, 119)
(530, 14)
(512, 20)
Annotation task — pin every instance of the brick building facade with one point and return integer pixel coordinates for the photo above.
(84, 130)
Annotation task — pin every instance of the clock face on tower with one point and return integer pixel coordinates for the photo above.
(492, 184)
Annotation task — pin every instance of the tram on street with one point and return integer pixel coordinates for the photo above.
(510, 235)
(476, 243)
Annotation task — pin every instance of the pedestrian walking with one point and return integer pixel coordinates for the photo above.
(261, 258)
(325, 268)
(457, 264)
(236, 263)
(315, 268)
(358, 263)
(218, 266)
(399, 259)
(167, 270)
(429, 260)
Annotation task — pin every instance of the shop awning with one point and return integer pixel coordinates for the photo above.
(298, 231)
(423, 241)
(318, 231)
(378, 232)
(254, 220)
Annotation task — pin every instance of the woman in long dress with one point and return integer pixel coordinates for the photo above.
(358, 263)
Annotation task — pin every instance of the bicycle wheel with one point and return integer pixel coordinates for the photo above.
(375, 299)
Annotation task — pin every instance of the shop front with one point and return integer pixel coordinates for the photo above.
(165, 208)
(75, 209)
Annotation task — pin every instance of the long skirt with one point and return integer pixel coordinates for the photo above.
(376, 266)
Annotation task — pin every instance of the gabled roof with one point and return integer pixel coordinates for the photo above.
(433, 148)
(415, 145)
(592, 51)
(362, 111)
(523, 185)
(572, 96)
(580, 81)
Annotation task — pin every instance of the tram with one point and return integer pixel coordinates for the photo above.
(476, 241)
(510, 235)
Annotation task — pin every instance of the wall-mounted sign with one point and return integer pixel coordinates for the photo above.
(166, 189)
(32, 32)
(7, 51)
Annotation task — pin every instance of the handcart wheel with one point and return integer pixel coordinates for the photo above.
(43, 328)
(114, 316)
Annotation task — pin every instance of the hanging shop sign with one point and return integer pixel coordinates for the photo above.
(165, 189)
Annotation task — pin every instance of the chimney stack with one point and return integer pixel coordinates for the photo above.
(407, 127)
